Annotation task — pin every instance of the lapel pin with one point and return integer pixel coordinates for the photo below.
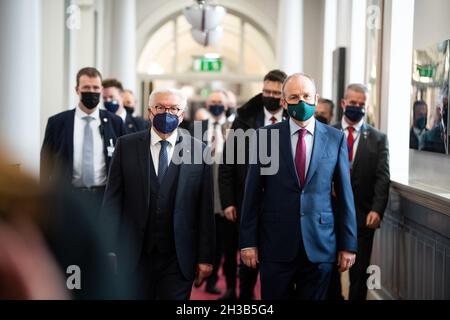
(105, 119)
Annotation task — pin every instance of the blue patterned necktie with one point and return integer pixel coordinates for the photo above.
(163, 160)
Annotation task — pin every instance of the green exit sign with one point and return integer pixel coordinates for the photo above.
(206, 64)
(426, 71)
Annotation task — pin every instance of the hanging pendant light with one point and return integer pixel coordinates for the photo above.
(205, 20)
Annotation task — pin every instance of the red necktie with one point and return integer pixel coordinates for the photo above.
(350, 141)
(274, 120)
(300, 156)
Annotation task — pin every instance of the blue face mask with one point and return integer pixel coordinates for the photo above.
(111, 106)
(216, 109)
(301, 111)
(354, 113)
(421, 122)
(165, 122)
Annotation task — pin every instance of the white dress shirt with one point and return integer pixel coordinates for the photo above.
(356, 133)
(309, 140)
(219, 135)
(100, 172)
(123, 115)
(155, 147)
(268, 116)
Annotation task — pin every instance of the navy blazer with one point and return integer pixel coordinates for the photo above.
(57, 148)
(135, 124)
(126, 204)
(278, 215)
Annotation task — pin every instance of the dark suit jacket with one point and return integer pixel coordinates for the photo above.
(57, 148)
(370, 173)
(127, 200)
(232, 175)
(276, 211)
(135, 124)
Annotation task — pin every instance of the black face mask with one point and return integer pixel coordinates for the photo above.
(421, 122)
(354, 113)
(90, 99)
(321, 119)
(271, 104)
(129, 110)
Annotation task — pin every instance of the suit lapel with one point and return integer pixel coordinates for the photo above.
(69, 136)
(362, 146)
(286, 149)
(319, 145)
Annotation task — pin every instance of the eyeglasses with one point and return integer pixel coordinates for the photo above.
(295, 98)
(268, 93)
(171, 109)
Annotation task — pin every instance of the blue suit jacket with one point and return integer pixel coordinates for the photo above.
(278, 215)
(57, 148)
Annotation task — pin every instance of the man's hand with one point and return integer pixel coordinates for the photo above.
(345, 260)
(373, 220)
(230, 213)
(250, 257)
(204, 270)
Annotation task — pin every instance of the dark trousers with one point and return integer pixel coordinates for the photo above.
(247, 281)
(299, 279)
(358, 272)
(92, 197)
(226, 247)
(160, 277)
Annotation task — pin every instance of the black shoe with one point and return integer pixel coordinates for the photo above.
(212, 290)
(230, 294)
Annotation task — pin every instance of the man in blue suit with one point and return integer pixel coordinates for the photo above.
(79, 143)
(288, 223)
(160, 198)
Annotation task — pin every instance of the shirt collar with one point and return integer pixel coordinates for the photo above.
(278, 115)
(221, 121)
(123, 115)
(357, 126)
(81, 114)
(155, 139)
(294, 127)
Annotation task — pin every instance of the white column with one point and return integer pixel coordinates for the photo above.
(20, 81)
(123, 43)
(329, 44)
(358, 42)
(396, 83)
(290, 36)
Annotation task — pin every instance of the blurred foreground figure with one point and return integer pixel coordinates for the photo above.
(49, 247)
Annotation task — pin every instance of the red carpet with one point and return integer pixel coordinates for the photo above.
(201, 294)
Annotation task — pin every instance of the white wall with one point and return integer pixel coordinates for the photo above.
(431, 22)
(52, 59)
(313, 39)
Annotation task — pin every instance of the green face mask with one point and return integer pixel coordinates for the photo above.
(301, 111)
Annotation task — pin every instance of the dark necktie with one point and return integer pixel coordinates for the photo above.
(274, 120)
(350, 142)
(163, 160)
(300, 156)
(214, 139)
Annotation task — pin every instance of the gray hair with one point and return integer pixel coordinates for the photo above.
(173, 91)
(298, 75)
(357, 87)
